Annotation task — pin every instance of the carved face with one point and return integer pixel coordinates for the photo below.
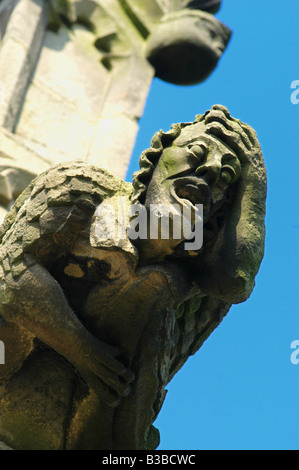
(197, 169)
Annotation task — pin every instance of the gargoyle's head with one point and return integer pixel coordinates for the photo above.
(215, 161)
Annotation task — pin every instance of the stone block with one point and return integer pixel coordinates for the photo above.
(113, 143)
(129, 87)
(69, 65)
(61, 129)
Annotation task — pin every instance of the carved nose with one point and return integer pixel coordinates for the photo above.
(210, 172)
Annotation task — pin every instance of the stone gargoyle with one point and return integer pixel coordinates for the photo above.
(95, 328)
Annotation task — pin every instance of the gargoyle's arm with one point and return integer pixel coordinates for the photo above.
(228, 269)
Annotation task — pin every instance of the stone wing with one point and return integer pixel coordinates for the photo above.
(49, 215)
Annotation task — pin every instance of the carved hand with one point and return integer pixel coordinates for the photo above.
(238, 136)
(98, 366)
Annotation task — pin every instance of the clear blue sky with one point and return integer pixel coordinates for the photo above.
(241, 391)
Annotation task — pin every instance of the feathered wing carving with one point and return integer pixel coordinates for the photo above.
(51, 212)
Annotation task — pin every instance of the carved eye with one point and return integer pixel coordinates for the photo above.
(198, 151)
(227, 175)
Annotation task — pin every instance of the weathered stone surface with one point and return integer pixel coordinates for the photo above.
(97, 322)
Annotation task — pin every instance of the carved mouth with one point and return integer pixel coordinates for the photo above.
(192, 189)
(192, 193)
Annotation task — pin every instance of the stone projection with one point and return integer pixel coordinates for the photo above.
(97, 324)
(106, 286)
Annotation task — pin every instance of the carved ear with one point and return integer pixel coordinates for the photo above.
(186, 45)
(227, 269)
